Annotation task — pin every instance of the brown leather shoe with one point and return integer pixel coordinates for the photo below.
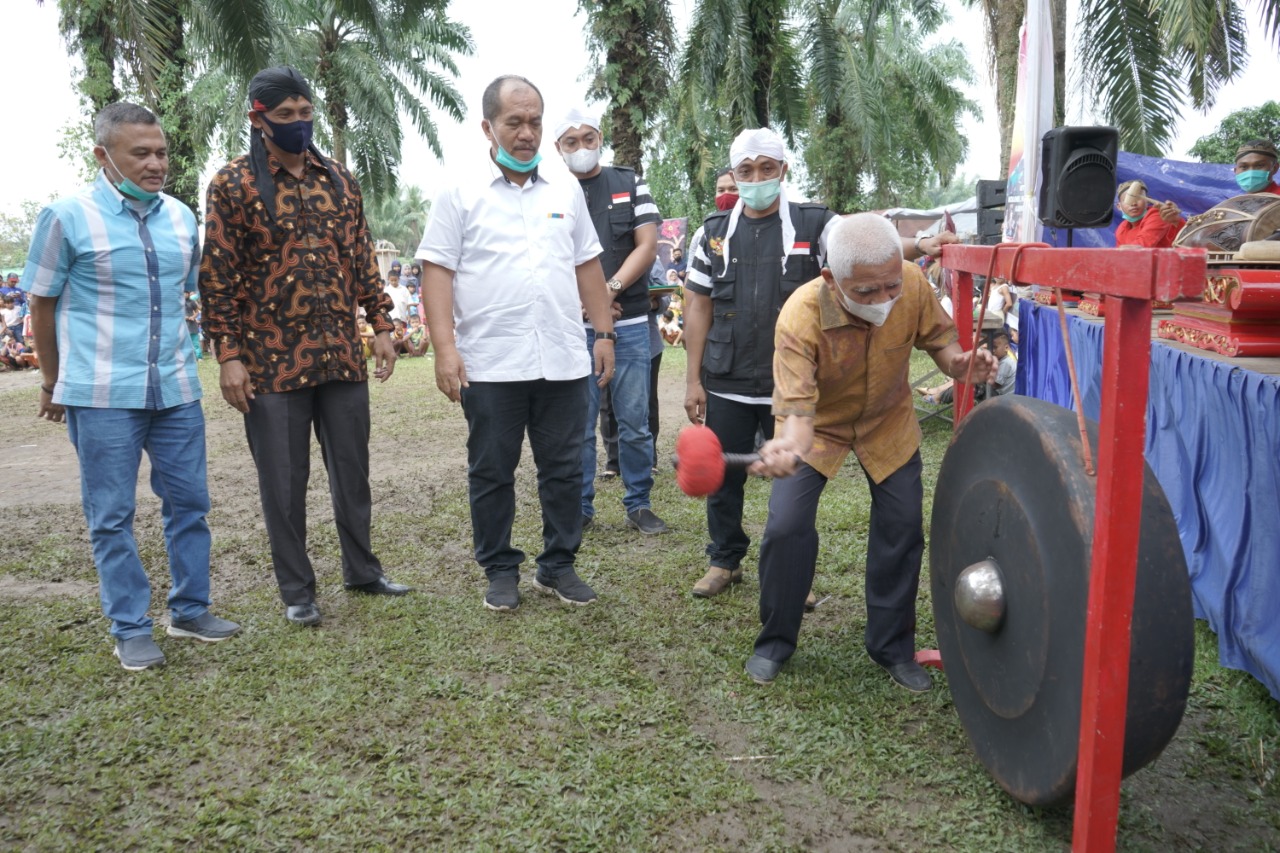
(715, 581)
(811, 603)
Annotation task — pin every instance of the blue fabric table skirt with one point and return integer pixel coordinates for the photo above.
(1213, 440)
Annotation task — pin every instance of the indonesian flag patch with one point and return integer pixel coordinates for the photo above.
(799, 249)
(622, 198)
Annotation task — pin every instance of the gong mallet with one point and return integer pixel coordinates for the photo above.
(700, 462)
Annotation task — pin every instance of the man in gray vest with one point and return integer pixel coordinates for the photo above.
(626, 221)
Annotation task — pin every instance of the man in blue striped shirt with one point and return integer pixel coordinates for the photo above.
(107, 273)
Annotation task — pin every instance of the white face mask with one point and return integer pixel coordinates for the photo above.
(583, 160)
(873, 314)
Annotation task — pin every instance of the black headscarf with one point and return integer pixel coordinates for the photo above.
(267, 90)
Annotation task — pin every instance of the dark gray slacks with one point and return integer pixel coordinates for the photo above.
(279, 430)
(895, 548)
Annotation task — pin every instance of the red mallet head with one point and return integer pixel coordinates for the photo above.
(699, 461)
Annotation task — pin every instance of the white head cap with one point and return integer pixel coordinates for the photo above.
(759, 142)
(577, 117)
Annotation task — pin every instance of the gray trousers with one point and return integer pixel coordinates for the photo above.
(279, 430)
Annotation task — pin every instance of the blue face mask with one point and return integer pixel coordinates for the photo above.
(502, 158)
(1132, 219)
(1253, 180)
(758, 195)
(128, 187)
(293, 137)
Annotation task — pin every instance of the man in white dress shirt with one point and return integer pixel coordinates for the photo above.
(508, 257)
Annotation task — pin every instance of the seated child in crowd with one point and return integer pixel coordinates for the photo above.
(399, 336)
(669, 325)
(418, 341)
(15, 355)
(366, 335)
(1006, 376)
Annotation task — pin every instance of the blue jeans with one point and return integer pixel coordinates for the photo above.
(499, 414)
(109, 444)
(629, 390)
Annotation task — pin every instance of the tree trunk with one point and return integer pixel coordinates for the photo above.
(1058, 14)
(1008, 21)
(174, 108)
(627, 135)
(335, 99)
(89, 29)
(765, 18)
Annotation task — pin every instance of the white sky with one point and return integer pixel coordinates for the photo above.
(37, 100)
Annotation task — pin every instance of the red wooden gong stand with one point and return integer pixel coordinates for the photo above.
(1130, 279)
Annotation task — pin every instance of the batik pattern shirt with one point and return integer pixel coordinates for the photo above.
(281, 295)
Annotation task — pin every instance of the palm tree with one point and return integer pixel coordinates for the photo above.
(884, 108)
(741, 56)
(400, 218)
(369, 67)
(638, 41)
(1136, 58)
(876, 111)
(190, 61)
(145, 48)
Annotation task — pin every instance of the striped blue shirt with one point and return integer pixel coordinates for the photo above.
(119, 275)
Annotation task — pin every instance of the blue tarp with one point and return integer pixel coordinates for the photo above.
(1194, 187)
(1213, 440)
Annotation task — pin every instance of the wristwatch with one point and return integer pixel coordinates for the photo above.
(615, 285)
(608, 336)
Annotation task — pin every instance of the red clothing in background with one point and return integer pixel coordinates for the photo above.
(1150, 231)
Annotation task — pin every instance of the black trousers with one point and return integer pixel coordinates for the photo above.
(735, 424)
(554, 414)
(895, 546)
(609, 424)
(279, 430)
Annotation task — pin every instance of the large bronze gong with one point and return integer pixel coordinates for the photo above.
(1009, 557)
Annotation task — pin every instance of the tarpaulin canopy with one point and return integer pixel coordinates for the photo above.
(1194, 187)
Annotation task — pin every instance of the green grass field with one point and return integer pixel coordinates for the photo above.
(430, 723)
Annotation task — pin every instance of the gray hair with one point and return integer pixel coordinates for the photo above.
(110, 119)
(491, 101)
(861, 240)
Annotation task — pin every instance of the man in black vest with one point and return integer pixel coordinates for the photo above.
(626, 221)
(747, 259)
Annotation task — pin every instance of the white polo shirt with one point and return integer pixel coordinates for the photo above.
(513, 250)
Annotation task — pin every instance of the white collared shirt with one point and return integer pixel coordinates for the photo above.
(513, 251)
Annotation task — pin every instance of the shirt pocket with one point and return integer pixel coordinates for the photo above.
(800, 269)
(620, 223)
(724, 287)
(717, 355)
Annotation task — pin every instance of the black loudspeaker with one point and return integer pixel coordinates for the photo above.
(992, 193)
(1078, 171)
(990, 227)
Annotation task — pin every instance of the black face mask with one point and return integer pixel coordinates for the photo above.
(293, 136)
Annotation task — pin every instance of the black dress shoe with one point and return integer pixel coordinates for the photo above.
(910, 675)
(381, 586)
(303, 614)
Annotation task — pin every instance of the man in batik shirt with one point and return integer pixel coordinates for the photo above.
(287, 262)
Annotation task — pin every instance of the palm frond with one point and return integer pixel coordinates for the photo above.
(1129, 72)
